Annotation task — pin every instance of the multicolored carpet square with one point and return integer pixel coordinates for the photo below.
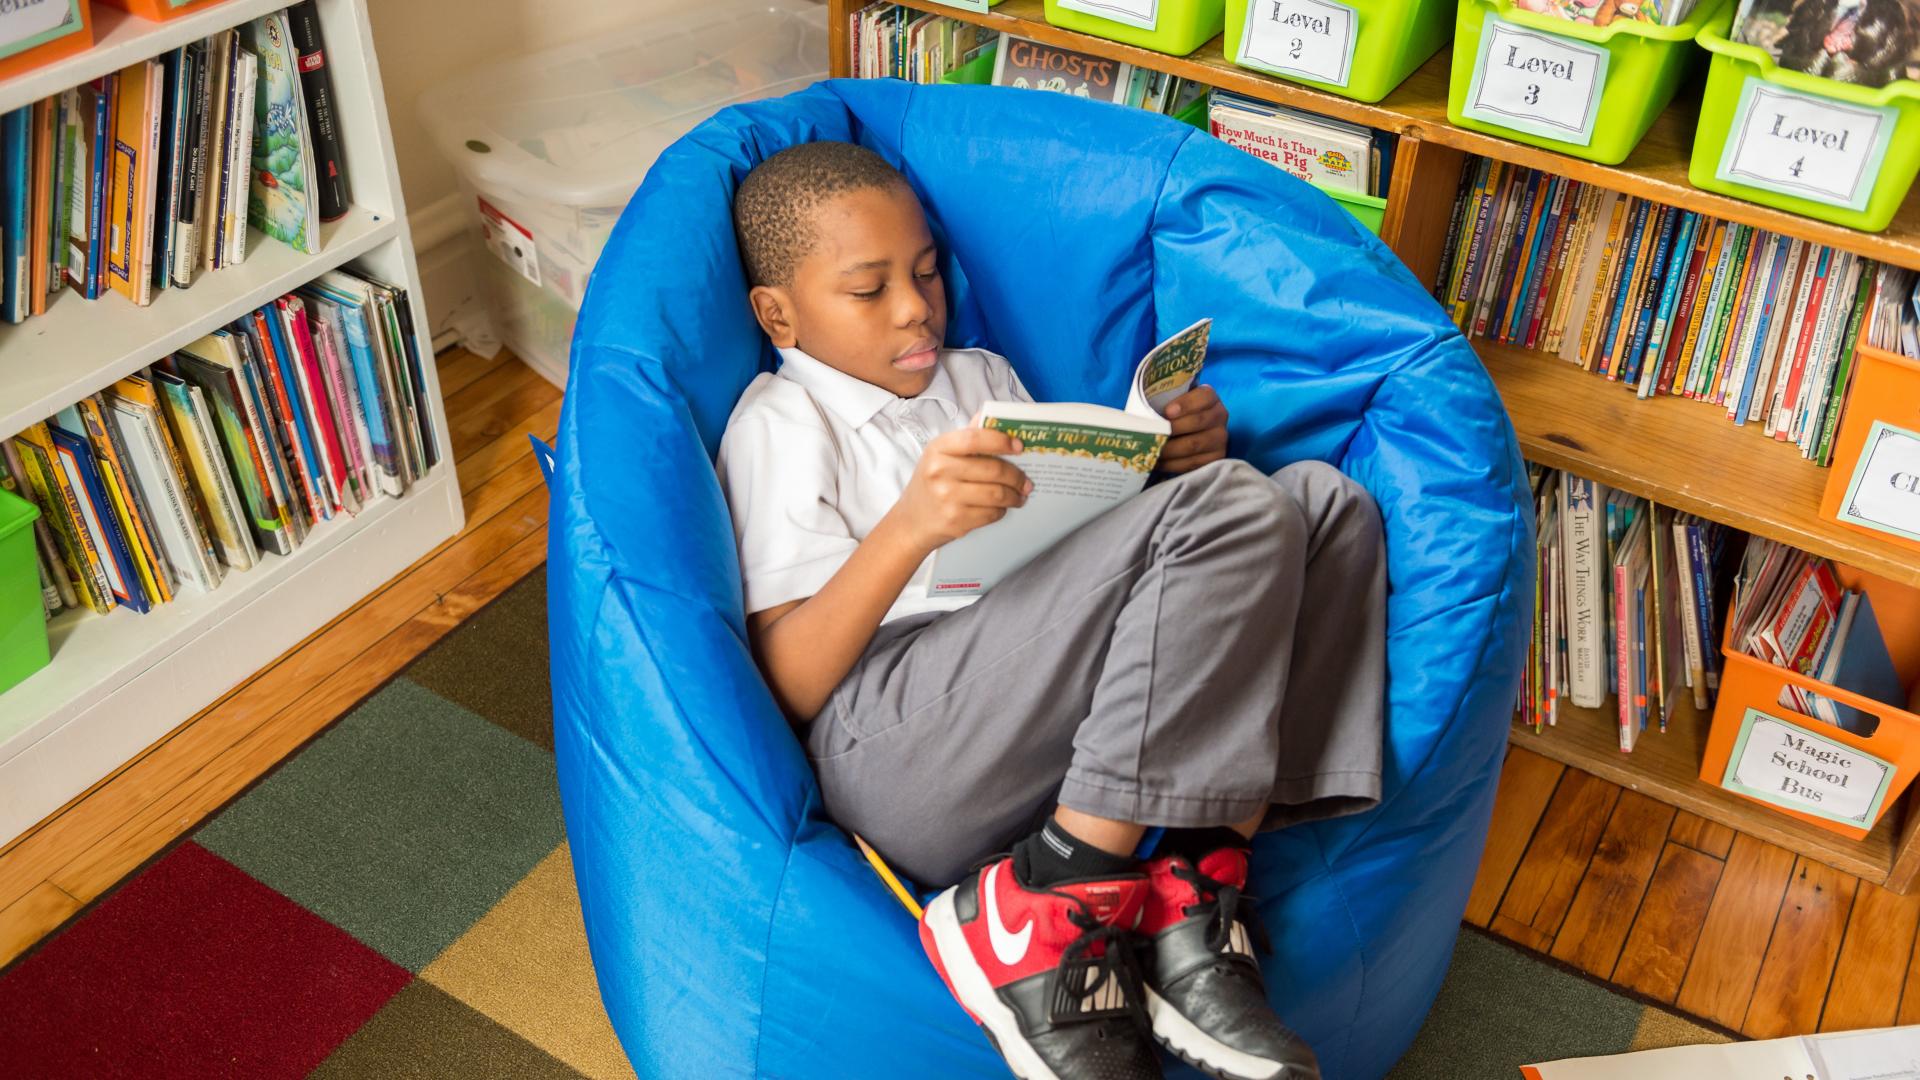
(397, 901)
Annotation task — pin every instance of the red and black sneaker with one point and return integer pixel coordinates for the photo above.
(1204, 993)
(1050, 974)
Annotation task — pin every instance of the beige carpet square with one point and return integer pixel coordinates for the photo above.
(525, 965)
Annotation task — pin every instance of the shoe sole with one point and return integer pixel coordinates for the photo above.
(969, 983)
(1187, 1042)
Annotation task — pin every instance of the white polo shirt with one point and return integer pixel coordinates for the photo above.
(813, 458)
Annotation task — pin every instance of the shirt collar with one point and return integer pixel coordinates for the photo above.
(854, 400)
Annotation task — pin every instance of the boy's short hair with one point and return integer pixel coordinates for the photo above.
(773, 210)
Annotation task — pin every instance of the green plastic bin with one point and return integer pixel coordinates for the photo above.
(23, 622)
(1860, 183)
(1366, 209)
(1617, 77)
(1374, 44)
(1174, 27)
(975, 72)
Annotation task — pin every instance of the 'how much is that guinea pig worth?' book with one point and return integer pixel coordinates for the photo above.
(1083, 460)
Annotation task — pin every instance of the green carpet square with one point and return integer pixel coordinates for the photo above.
(496, 662)
(1500, 1009)
(424, 1033)
(402, 825)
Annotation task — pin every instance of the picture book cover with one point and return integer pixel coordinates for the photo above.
(186, 410)
(281, 201)
(75, 455)
(1314, 149)
(1866, 42)
(1030, 65)
(1082, 459)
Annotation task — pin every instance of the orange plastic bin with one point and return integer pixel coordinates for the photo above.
(1800, 765)
(160, 10)
(1881, 423)
(64, 32)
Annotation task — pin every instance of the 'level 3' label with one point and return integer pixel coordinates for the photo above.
(1540, 83)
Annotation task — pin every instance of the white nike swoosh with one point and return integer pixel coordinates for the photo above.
(1009, 946)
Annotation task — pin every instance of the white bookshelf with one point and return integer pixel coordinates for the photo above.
(117, 683)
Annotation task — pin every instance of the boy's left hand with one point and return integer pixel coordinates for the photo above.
(1199, 431)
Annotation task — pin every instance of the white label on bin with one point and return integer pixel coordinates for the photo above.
(511, 241)
(1811, 147)
(1144, 14)
(26, 23)
(1532, 81)
(1788, 765)
(1884, 493)
(1309, 38)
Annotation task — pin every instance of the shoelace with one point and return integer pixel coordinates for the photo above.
(1226, 909)
(1118, 963)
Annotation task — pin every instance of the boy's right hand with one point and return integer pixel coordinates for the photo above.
(960, 485)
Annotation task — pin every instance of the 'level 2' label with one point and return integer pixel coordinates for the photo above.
(1540, 83)
(1312, 39)
(1812, 147)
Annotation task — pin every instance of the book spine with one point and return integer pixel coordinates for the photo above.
(1572, 261)
(1673, 352)
(129, 502)
(357, 435)
(1455, 218)
(1755, 340)
(241, 165)
(1519, 250)
(193, 180)
(1643, 308)
(1590, 326)
(64, 583)
(330, 425)
(293, 423)
(1834, 308)
(1553, 257)
(48, 484)
(1631, 267)
(311, 406)
(1669, 269)
(1843, 371)
(102, 531)
(231, 508)
(1809, 317)
(1702, 310)
(1623, 655)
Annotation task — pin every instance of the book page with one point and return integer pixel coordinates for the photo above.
(1169, 370)
(1883, 1054)
(1778, 1059)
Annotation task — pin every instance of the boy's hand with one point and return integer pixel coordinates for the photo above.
(1199, 431)
(960, 485)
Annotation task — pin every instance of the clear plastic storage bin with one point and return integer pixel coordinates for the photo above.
(550, 147)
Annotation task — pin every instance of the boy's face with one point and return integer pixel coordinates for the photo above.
(868, 299)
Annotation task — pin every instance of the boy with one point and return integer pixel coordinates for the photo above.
(1208, 656)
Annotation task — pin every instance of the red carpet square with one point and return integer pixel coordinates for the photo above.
(192, 969)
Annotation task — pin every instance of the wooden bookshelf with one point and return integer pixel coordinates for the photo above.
(1683, 454)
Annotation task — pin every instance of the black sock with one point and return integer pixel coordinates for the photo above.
(1054, 855)
(1193, 844)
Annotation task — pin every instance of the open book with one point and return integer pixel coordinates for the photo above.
(1875, 1054)
(1083, 460)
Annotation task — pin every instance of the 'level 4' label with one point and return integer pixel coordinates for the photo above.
(1536, 82)
(1798, 144)
(1312, 39)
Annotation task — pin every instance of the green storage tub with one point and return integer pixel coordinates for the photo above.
(975, 72)
(23, 622)
(1375, 43)
(1366, 209)
(1861, 189)
(1643, 66)
(1195, 114)
(1174, 27)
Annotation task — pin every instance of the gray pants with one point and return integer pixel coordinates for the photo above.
(1210, 648)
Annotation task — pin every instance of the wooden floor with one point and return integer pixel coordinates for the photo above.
(1734, 930)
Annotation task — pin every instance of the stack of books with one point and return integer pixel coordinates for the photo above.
(1320, 150)
(1790, 611)
(1628, 604)
(1666, 301)
(139, 181)
(237, 446)
(893, 42)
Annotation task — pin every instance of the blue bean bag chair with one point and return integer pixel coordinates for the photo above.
(735, 930)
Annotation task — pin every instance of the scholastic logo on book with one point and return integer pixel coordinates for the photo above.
(957, 586)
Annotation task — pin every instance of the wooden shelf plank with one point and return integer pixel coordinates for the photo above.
(1657, 169)
(1666, 766)
(1680, 453)
(80, 345)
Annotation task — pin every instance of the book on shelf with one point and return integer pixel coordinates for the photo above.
(1668, 301)
(1626, 607)
(1082, 460)
(1321, 150)
(233, 449)
(1848, 41)
(329, 171)
(140, 180)
(1032, 65)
